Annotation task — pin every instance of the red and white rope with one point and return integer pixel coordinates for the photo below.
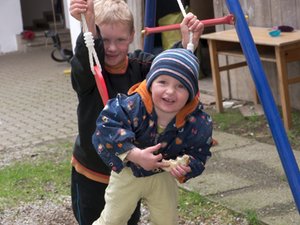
(89, 42)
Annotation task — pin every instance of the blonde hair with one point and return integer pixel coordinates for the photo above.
(113, 11)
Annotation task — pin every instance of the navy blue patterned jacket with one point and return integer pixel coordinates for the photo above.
(129, 121)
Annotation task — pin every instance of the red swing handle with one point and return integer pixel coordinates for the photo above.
(101, 85)
(229, 19)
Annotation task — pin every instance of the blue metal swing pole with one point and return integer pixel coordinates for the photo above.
(150, 21)
(264, 92)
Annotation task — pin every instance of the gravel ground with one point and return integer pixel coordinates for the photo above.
(50, 213)
(40, 213)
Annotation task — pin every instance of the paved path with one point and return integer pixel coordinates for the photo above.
(37, 104)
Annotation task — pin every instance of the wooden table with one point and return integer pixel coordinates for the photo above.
(281, 50)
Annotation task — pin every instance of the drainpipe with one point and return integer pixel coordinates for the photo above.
(150, 21)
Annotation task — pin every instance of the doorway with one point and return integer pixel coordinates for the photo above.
(38, 15)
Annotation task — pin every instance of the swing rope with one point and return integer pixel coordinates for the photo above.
(96, 70)
(190, 45)
(89, 42)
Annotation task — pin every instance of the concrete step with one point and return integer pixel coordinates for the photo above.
(46, 42)
(40, 40)
(58, 25)
(61, 32)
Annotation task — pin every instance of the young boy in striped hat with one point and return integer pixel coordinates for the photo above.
(139, 134)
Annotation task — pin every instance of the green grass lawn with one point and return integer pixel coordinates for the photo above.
(257, 127)
(26, 182)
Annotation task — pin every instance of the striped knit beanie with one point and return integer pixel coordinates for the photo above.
(178, 63)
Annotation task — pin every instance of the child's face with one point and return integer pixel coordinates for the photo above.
(116, 38)
(168, 94)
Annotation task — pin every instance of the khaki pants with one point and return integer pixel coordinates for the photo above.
(125, 190)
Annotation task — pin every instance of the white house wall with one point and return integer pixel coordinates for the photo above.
(10, 25)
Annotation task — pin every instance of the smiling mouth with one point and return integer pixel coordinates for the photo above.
(111, 56)
(167, 100)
